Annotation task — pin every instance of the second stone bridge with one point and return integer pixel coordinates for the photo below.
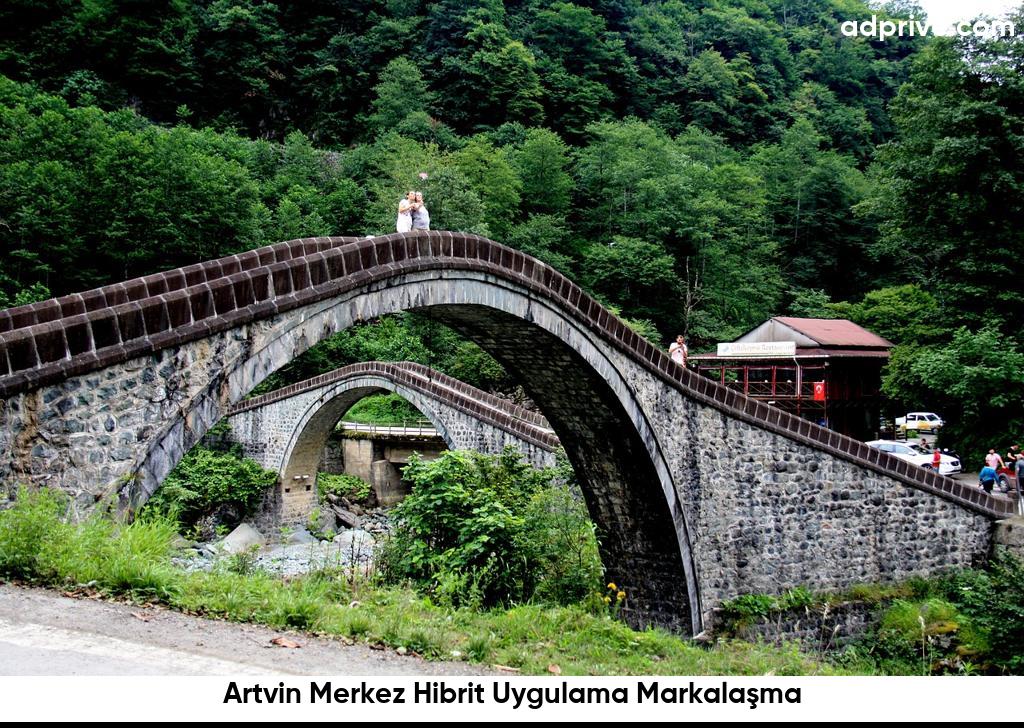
(287, 430)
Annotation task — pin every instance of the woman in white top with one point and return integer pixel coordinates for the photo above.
(404, 223)
(678, 351)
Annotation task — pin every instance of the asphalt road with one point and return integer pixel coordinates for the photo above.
(45, 633)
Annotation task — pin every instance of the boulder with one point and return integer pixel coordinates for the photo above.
(241, 539)
(300, 535)
(346, 518)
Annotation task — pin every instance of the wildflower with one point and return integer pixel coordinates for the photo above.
(607, 600)
(620, 596)
(611, 586)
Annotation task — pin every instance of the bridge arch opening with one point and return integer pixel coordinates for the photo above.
(375, 454)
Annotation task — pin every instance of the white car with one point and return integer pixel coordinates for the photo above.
(914, 454)
(920, 421)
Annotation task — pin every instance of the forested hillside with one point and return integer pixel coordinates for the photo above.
(698, 165)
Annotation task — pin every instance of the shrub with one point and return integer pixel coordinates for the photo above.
(348, 486)
(932, 633)
(559, 537)
(38, 545)
(208, 480)
(479, 530)
(25, 528)
(993, 599)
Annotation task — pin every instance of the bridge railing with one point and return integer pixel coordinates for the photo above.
(415, 428)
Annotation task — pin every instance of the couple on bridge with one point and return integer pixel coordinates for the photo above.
(412, 213)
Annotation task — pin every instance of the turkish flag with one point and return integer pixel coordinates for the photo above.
(819, 391)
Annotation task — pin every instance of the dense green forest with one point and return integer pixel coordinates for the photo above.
(698, 165)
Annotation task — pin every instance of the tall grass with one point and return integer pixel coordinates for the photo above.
(134, 560)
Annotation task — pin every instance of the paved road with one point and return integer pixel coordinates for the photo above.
(44, 633)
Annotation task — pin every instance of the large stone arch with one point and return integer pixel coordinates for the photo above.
(104, 391)
(577, 382)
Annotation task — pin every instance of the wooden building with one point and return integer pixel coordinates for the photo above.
(828, 371)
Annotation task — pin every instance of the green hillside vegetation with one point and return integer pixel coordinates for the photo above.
(699, 166)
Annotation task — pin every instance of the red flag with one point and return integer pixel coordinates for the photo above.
(819, 391)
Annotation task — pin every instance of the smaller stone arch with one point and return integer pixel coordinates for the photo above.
(287, 430)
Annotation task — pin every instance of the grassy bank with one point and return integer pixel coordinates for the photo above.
(135, 562)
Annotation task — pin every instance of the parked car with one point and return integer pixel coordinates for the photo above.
(914, 454)
(920, 421)
(1006, 479)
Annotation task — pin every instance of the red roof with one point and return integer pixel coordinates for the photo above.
(834, 332)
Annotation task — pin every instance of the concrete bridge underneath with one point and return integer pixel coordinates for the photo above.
(288, 429)
(699, 493)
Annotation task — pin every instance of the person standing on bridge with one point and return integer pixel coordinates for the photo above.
(405, 206)
(678, 351)
(420, 216)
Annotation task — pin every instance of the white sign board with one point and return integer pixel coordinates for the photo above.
(764, 348)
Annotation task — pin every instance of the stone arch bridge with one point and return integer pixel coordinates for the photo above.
(286, 430)
(699, 493)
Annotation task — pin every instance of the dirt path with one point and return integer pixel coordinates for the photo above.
(44, 633)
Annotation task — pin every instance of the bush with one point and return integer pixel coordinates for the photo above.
(993, 599)
(932, 633)
(480, 530)
(344, 486)
(206, 481)
(25, 528)
(559, 537)
(37, 545)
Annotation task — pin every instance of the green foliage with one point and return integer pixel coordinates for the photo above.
(993, 601)
(25, 528)
(542, 163)
(342, 485)
(37, 544)
(975, 380)
(633, 271)
(401, 92)
(484, 530)
(383, 409)
(933, 634)
(901, 314)
(947, 190)
(206, 480)
(748, 607)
